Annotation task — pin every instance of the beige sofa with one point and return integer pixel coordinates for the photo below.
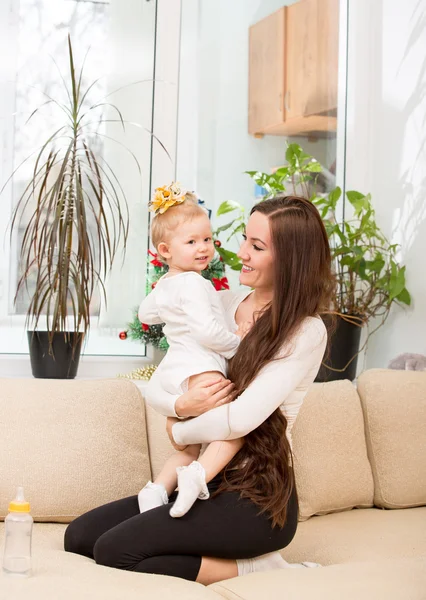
(77, 444)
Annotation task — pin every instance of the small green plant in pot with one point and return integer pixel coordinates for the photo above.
(77, 219)
(369, 277)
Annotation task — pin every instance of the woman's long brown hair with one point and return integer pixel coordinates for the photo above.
(303, 287)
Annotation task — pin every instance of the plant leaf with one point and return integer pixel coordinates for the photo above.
(404, 297)
(397, 281)
(224, 227)
(228, 206)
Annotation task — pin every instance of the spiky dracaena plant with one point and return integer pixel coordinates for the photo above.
(78, 219)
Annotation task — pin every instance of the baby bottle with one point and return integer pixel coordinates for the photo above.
(17, 544)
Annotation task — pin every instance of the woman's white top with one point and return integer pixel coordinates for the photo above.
(282, 383)
(196, 329)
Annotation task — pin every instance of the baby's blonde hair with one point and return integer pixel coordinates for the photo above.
(164, 224)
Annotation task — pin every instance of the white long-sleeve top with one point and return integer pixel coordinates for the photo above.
(195, 326)
(282, 383)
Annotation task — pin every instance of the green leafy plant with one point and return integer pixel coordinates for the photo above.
(236, 225)
(369, 277)
(77, 214)
(368, 273)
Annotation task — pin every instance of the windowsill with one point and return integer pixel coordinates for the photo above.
(99, 342)
(90, 367)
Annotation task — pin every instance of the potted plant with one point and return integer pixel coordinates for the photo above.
(369, 278)
(77, 219)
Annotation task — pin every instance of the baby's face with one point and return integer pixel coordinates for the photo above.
(191, 245)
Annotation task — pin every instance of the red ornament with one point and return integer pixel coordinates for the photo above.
(217, 243)
(153, 285)
(155, 262)
(123, 335)
(145, 327)
(220, 284)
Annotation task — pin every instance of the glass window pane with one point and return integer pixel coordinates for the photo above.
(115, 40)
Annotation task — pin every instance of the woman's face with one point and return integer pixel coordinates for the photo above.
(256, 254)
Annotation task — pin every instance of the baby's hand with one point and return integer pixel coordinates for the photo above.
(244, 328)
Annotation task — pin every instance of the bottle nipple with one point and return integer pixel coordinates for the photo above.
(19, 504)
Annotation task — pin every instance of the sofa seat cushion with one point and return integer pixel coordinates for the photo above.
(396, 579)
(74, 445)
(59, 574)
(360, 535)
(394, 404)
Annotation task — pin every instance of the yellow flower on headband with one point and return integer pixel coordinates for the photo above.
(167, 196)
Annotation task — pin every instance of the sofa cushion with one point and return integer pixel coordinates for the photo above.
(330, 456)
(73, 445)
(398, 579)
(360, 535)
(394, 404)
(160, 448)
(59, 574)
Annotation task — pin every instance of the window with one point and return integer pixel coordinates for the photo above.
(121, 38)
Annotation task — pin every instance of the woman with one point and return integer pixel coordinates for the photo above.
(253, 508)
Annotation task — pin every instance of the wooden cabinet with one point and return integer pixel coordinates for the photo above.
(293, 70)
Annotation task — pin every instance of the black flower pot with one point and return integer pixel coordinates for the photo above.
(343, 346)
(62, 360)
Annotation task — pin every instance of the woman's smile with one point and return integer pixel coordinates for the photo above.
(247, 269)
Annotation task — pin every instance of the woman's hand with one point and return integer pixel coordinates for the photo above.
(203, 397)
(169, 424)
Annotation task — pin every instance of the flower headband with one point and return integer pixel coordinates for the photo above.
(167, 196)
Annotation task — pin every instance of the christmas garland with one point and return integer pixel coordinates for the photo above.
(153, 334)
(141, 374)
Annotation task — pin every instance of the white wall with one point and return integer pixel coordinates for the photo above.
(386, 148)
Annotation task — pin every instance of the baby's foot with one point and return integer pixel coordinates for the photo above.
(151, 496)
(192, 485)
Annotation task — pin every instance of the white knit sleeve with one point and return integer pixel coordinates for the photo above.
(158, 398)
(201, 321)
(272, 387)
(148, 311)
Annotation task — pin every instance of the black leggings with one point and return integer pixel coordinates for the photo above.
(227, 526)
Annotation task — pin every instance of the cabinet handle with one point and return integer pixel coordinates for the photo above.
(287, 100)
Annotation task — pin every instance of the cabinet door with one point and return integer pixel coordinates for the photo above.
(311, 54)
(328, 57)
(266, 73)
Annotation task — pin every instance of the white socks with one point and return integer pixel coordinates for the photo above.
(192, 485)
(151, 496)
(269, 562)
